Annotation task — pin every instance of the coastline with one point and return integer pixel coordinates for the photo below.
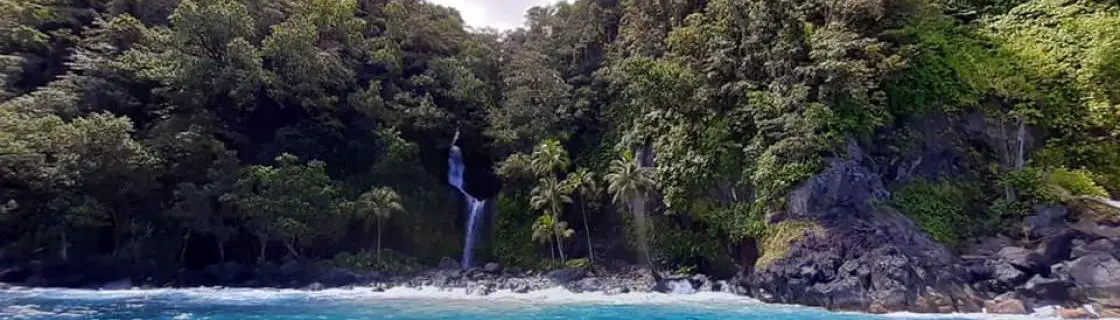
(450, 298)
(563, 286)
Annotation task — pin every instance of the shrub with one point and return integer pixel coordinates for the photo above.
(1076, 182)
(778, 237)
(938, 208)
(578, 263)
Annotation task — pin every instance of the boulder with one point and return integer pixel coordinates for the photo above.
(1006, 306)
(1100, 245)
(1046, 221)
(1009, 275)
(1107, 308)
(492, 268)
(481, 288)
(617, 290)
(1048, 291)
(448, 264)
(1024, 259)
(314, 286)
(1076, 313)
(565, 276)
(586, 285)
(1097, 275)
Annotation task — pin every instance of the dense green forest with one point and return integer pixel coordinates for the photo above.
(181, 133)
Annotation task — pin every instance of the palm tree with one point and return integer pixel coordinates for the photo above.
(583, 183)
(543, 232)
(551, 194)
(548, 158)
(378, 204)
(627, 182)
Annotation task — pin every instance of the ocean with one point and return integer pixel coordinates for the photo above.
(407, 304)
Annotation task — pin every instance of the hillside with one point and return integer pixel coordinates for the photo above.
(728, 137)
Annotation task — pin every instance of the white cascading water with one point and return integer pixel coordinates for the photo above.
(474, 206)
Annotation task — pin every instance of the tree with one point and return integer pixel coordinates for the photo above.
(549, 158)
(627, 182)
(543, 231)
(550, 195)
(379, 204)
(583, 183)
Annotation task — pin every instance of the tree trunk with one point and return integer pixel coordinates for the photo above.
(379, 239)
(1022, 143)
(292, 248)
(264, 246)
(587, 230)
(556, 232)
(221, 250)
(186, 243)
(65, 246)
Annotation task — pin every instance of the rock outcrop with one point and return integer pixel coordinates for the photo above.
(861, 256)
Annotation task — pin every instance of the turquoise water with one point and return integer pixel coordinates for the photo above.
(429, 304)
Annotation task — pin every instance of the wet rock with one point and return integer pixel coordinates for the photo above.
(1009, 275)
(1024, 259)
(481, 289)
(1048, 290)
(448, 264)
(1099, 245)
(314, 286)
(520, 288)
(1076, 313)
(492, 268)
(617, 290)
(1107, 308)
(1097, 275)
(586, 285)
(1006, 306)
(877, 308)
(565, 276)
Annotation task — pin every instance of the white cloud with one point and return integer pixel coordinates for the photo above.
(498, 14)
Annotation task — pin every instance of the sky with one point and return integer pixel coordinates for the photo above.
(498, 14)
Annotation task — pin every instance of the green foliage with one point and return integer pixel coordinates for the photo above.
(580, 263)
(1075, 182)
(513, 227)
(941, 208)
(775, 242)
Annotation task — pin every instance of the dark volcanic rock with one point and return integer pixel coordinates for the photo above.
(492, 267)
(1048, 291)
(1046, 221)
(1009, 275)
(1024, 259)
(1100, 245)
(565, 276)
(1097, 275)
(860, 256)
(1007, 306)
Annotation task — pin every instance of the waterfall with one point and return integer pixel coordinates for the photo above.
(474, 206)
